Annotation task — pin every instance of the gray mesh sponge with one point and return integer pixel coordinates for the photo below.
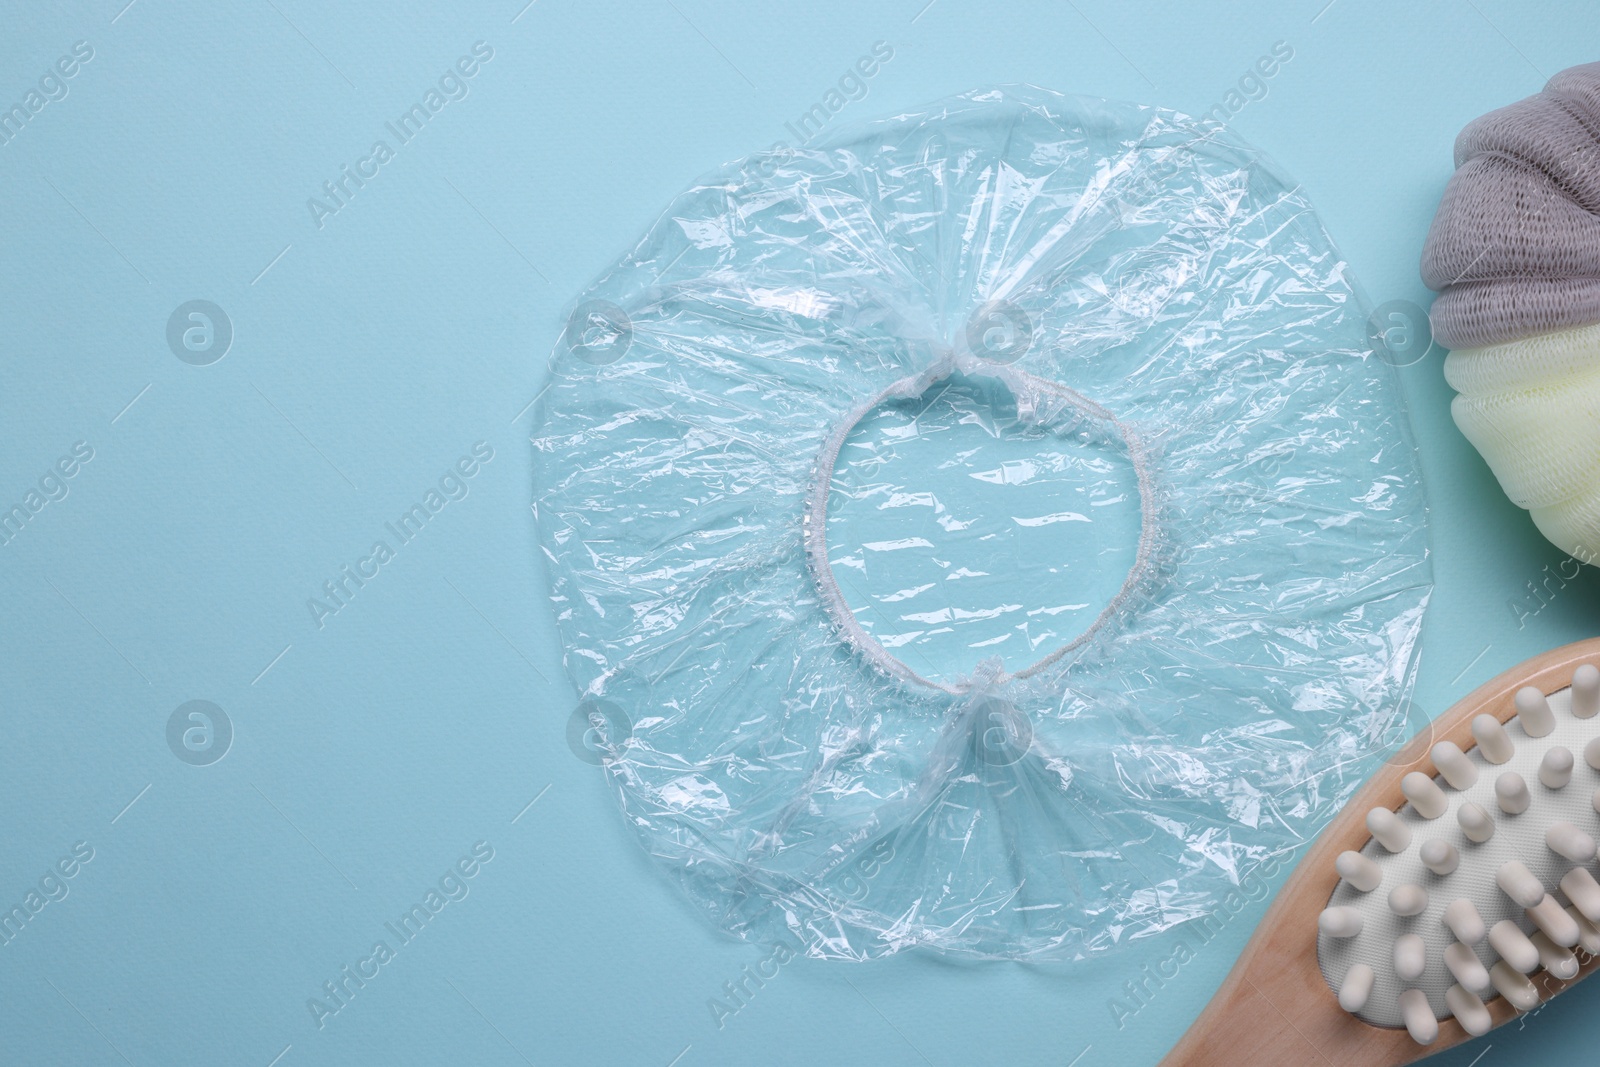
(1515, 247)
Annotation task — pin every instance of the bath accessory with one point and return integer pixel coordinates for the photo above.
(1455, 890)
(1102, 301)
(1515, 254)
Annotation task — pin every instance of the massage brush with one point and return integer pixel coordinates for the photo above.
(1455, 890)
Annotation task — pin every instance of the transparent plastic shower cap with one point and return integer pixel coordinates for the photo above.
(1179, 332)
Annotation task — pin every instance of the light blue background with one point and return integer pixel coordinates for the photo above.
(370, 354)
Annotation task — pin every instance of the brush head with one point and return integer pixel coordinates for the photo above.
(1275, 1006)
(1485, 876)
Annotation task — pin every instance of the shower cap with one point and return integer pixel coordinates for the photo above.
(987, 529)
(1514, 252)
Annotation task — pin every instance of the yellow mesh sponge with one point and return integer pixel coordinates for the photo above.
(1531, 407)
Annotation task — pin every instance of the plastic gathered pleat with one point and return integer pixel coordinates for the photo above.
(985, 530)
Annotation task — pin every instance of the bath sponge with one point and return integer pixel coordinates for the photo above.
(1514, 253)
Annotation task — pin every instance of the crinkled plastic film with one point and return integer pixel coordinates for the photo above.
(1065, 700)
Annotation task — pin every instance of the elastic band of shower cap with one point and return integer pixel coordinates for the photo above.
(1106, 649)
(1024, 388)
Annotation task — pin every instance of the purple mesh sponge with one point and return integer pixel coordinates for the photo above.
(1515, 247)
